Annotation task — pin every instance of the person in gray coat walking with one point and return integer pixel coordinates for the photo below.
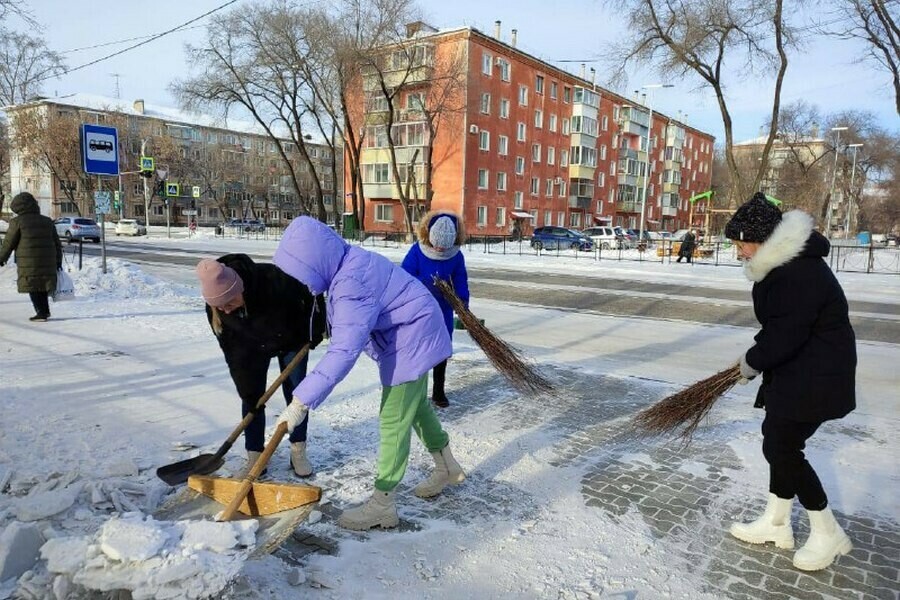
(33, 238)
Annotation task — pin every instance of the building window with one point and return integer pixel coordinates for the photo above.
(501, 216)
(534, 215)
(562, 189)
(539, 84)
(503, 64)
(603, 152)
(504, 108)
(519, 200)
(535, 186)
(376, 173)
(604, 123)
(564, 158)
(553, 90)
(487, 62)
(561, 219)
(482, 216)
(538, 119)
(548, 187)
(158, 210)
(575, 220)
(484, 140)
(501, 181)
(482, 179)
(502, 145)
(415, 101)
(536, 153)
(523, 95)
(548, 217)
(567, 94)
(601, 179)
(612, 169)
(565, 127)
(552, 123)
(551, 155)
(520, 165)
(485, 104)
(520, 132)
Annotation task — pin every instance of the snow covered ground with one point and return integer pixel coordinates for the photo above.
(128, 377)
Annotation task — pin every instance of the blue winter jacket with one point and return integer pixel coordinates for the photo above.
(423, 268)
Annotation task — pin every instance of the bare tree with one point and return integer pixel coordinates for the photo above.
(25, 62)
(711, 40)
(874, 23)
(4, 162)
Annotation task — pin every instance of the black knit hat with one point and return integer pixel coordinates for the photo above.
(754, 221)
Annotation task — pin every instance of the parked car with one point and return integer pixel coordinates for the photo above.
(130, 227)
(553, 238)
(247, 225)
(659, 236)
(630, 240)
(605, 237)
(77, 228)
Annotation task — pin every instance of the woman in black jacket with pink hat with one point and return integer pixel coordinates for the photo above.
(806, 352)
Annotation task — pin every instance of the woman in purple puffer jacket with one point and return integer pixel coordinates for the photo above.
(376, 307)
(438, 254)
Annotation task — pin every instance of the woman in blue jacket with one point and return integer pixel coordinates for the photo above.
(438, 253)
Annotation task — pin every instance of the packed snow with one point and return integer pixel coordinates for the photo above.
(127, 377)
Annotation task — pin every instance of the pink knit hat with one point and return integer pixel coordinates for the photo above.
(219, 284)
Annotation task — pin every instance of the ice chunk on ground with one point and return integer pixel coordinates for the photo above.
(130, 540)
(20, 544)
(41, 505)
(65, 554)
(209, 535)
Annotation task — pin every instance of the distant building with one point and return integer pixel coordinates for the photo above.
(250, 179)
(533, 143)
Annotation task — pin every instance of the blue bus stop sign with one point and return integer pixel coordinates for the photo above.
(99, 150)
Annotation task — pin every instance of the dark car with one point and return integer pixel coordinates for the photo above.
(553, 238)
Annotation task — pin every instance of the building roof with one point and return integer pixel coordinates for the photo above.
(155, 111)
(793, 139)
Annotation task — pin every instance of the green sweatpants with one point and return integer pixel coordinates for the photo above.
(405, 407)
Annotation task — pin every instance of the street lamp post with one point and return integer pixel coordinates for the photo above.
(837, 146)
(651, 86)
(848, 221)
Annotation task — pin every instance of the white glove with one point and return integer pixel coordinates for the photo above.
(747, 372)
(293, 415)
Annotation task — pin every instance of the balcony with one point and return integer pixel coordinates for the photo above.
(628, 206)
(626, 153)
(580, 203)
(632, 128)
(669, 211)
(581, 172)
(626, 179)
(670, 188)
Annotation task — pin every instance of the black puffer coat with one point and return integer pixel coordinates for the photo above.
(806, 349)
(687, 245)
(279, 316)
(33, 238)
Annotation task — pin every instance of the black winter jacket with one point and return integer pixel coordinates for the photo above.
(279, 316)
(806, 348)
(33, 238)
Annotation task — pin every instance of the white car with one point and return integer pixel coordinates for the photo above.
(77, 228)
(605, 237)
(130, 227)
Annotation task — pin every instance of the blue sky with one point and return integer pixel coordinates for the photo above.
(823, 73)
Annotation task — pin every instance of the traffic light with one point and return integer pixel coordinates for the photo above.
(193, 204)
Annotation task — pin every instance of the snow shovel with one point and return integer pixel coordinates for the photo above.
(251, 498)
(204, 464)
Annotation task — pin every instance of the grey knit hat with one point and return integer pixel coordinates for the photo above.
(754, 221)
(442, 233)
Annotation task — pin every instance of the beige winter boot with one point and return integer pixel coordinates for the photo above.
(773, 526)
(378, 511)
(301, 466)
(446, 472)
(826, 541)
(252, 457)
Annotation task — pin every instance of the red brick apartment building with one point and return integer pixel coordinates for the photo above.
(533, 143)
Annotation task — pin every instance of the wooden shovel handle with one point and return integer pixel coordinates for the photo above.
(258, 468)
(245, 422)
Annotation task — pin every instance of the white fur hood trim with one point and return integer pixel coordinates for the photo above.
(785, 244)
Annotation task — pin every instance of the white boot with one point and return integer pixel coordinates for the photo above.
(826, 541)
(378, 511)
(773, 526)
(252, 457)
(299, 463)
(446, 472)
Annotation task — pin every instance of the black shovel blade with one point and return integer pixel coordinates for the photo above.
(178, 473)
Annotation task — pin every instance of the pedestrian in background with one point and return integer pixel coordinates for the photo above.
(258, 313)
(687, 246)
(376, 306)
(806, 352)
(438, 253)
(33, 238)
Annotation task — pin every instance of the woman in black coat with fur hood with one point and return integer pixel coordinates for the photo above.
(806, 352)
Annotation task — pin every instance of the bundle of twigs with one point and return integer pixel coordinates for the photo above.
(682, 412)
(504, 357)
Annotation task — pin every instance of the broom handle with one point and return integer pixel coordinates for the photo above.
(258, 467)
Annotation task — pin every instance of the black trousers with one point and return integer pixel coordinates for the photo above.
(440, 376)
(41, 303)
(790, 474)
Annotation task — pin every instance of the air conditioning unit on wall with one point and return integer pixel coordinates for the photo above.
(473, 128)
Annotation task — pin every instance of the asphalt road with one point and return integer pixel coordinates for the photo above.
(872, 321)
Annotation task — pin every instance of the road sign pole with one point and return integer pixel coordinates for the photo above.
(102, 231)
(168, 219)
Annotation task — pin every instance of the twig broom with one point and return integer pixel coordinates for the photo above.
(504, 357)
(682, 412)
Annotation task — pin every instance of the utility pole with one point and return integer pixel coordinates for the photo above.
(651, 86)
(147, 190)
(849, 220)
(837, 147)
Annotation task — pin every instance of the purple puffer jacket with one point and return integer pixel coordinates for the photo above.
(372, 305)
